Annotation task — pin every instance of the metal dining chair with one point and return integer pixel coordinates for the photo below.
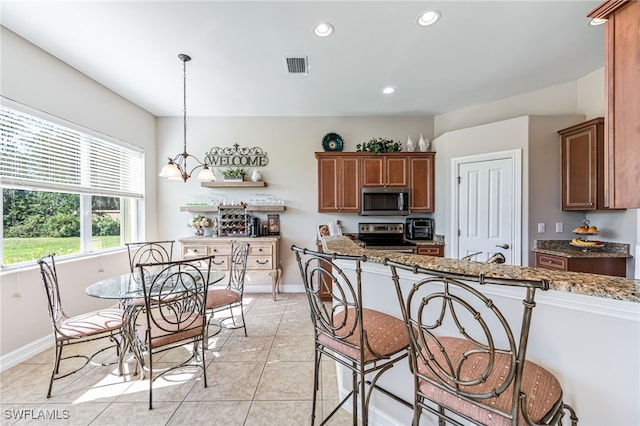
(72, 330)
(174, 314)
(149, 252)
(365, 341)
(230, 297)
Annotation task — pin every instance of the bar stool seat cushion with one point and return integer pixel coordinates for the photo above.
(543, 390)
(386, 335)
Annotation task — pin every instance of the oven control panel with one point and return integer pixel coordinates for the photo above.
(380, 228)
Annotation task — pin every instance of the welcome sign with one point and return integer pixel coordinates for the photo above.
(236, 156)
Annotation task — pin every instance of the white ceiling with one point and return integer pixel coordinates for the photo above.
(478, 52)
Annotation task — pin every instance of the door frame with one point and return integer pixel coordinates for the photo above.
(515, 155)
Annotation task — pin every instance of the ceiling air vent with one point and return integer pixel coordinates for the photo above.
(297, 64)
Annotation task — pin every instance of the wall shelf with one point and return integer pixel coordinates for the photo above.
(259, 184)
(249, 208)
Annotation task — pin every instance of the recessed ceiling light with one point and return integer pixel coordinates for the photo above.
(323, 29)
(428, 17)
(388, 90)
(597, 21)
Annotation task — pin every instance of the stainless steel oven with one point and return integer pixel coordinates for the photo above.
(384, 202)
(385, 236)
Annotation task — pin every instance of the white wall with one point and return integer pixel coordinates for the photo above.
(291, 173)
(32, 77)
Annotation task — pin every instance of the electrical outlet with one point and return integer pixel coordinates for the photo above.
(559, 227)
(541, 228)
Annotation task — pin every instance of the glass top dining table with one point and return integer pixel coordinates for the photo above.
(129, 286)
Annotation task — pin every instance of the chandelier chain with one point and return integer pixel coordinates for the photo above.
(184, 101)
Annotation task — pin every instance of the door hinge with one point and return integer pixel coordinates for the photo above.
(458, 180)
(458, 232)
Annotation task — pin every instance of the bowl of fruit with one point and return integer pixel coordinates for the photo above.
(585, 230)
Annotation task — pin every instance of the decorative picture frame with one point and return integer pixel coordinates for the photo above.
(322, 230)
(273, 224)
(326, 230)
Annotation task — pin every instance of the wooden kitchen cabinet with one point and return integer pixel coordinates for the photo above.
(422, 182)
(430, 250)
(338, 182)
(583, 166)
(390, 170)
(622, 102)
(615, 266)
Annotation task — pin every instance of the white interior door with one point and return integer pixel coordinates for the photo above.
(488, 214)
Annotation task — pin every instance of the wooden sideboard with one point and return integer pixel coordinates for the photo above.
(263, 263)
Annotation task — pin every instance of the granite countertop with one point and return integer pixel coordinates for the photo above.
(572, 282)
(564, 249)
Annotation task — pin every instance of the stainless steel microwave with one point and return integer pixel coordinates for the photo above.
(385, 202)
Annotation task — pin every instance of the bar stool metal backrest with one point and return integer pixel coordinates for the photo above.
(468, 356)
(365, 341)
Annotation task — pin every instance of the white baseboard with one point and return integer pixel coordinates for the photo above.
(24, 353)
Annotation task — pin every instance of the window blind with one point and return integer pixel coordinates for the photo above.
(41, 154)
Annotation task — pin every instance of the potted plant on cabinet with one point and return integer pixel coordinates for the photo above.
(380, 145)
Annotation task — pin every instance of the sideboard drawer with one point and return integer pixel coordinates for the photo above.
(260, 262)
(220, 249)
(190, 251)
(260, 249)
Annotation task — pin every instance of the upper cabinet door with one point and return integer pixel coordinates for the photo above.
(622, 102)
(582, 166)
(338, 183)
(422, 183)
(385, 170)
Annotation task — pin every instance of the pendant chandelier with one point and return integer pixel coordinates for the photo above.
(177, 168)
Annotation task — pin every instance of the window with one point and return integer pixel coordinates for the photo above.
(65, 190)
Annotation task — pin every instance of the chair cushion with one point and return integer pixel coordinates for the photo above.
(89, 324)
(541, 387)
(222, 297)
(387, 335)
(166, 332)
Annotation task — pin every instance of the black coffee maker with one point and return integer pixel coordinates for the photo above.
(254, 227)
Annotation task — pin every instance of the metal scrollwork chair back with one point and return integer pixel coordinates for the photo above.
(173, 314)
(149, 252)
(365, 341)
(468, 357)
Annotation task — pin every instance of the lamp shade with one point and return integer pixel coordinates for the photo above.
(206, 175)
(171, 171)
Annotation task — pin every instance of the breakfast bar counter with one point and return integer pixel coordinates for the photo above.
(573, 282)
(585, 330)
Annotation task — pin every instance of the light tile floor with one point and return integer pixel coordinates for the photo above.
(263, 379)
